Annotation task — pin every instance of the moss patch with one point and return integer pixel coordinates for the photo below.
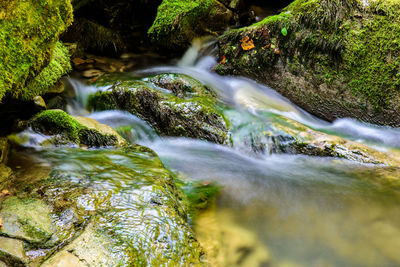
(29, 31)
(178, 108)
(57, 122)
(347, 55)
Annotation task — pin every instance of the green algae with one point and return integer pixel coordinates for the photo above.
(29, 31)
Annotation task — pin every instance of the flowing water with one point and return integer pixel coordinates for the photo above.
(305, 211)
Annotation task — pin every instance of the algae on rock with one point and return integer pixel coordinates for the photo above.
(333, 58)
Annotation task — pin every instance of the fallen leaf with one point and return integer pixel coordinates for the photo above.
(1, 223)
(205, 183)
(223, 61)
(78, 61)
(4, 193)
(247, 43)
(267, 46)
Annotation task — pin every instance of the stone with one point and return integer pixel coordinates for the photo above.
(63, 129)
(39, 103)
(12, 252)
(88, 249)
(26, 219)
(181, 107)
(4, 149)
(334, 60)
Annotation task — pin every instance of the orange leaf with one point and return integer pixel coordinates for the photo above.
(1, 223)
(223, 61)
(247, 43)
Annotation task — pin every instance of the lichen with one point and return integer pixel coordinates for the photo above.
(29, 31)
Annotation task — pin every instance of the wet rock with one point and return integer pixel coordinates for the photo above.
(333, 59)
(12, 252)
(26, 219)
(91, 248)
(133, 216)
(179, 22)
(63, 128)
(4, 149)
(175, 107)
(278, 134)
(39, 103)
(6, 175)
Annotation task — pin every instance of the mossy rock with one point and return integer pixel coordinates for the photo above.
(173, 104)
(178, 22)
(29, 52)
(77, 130)
(333, 58)
(108, 206)
(26, 219)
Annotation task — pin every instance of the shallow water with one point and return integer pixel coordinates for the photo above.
(308, 211)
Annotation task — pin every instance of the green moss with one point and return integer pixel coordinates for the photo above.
(59, 66)
(337, 41)
(171, 104)
(29, 31)
(174, 16)
(57, 122)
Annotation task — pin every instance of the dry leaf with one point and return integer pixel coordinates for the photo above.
(267, 46)
(223, 61)
(78, 61)
(4, 193)
(247, 43)
(1, 223)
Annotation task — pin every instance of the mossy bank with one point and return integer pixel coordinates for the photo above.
(333, 58)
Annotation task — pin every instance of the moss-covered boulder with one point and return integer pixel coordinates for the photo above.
(178, 22)
(174, 104)
(31, 58)
(63, 129)
(333, 58)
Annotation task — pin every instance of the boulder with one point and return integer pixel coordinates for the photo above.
(31, 57)
(173, 104)
(63, 128)
(178, 22)
(332, 58)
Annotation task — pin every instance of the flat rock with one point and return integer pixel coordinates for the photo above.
(26, 219)
(12, 252)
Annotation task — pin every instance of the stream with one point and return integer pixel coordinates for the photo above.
(299, 210)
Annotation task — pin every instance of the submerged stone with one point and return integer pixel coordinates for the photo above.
(336, 59)
(175, 105)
